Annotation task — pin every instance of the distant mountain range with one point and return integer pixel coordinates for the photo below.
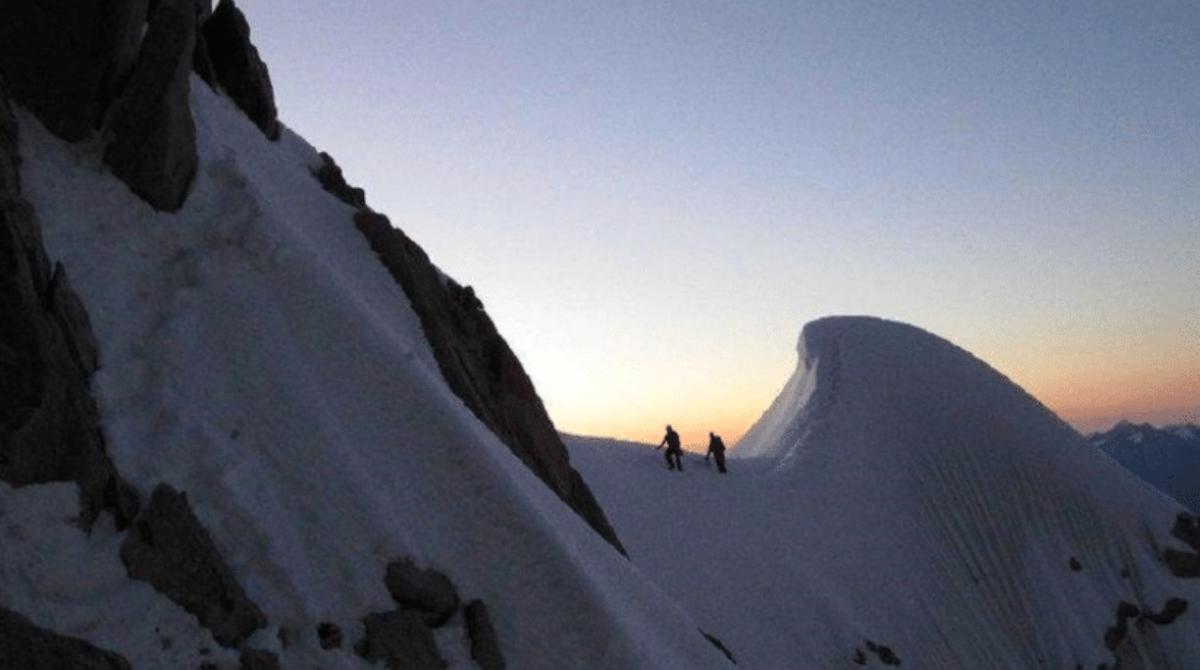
(1167, 458)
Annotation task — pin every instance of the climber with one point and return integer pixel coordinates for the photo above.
(673, 450)
(716, 449)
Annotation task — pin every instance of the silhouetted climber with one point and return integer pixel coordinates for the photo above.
(673, 450)
(716, 449)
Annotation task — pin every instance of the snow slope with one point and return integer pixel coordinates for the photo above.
(256, 355)
(900, 491)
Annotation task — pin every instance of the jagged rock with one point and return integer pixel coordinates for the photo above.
(485, 646)
(427, 592)
(884, 653)
(1182, 563)
(238, 67)
(329, 635)
(153, 147)
(286, 637)
(481, 369)
(1187, 529)
(1170, 612)
(714, 641)
(49, 424)
(332, 180)
(128, 36)
(169, 548)
(401, 640)
(24, 646)
(1117, 634)
(64, 59)
(257, 659)
(201, 61)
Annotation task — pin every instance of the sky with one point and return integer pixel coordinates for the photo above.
(651, 199)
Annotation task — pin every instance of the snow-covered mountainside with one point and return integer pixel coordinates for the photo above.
(269, 447)
(901, 494)
(1167, 458)
(256, 356)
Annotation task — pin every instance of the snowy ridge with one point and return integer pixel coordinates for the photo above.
(257, 355)
(907, 494)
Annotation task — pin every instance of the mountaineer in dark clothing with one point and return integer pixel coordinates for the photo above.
(673, 450)
(716, 449)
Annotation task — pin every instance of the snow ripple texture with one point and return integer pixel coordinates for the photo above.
(902, 491)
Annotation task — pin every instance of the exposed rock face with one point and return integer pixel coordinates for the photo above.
(1115, 635)
(426, 592)
(1184, 564)
(485, 646)
(714, 641)
(24, 646)
(1170, 611)
(329, 635)
(62, 58)
(153, 146)
(49, 424)
(257, 659)
(885, 653)
(79, 66)
(168, 548)
(401, 640)
(481, 369)
(332, 180)
(238, 67)
(1187, 529)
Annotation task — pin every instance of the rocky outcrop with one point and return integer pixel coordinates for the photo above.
(238, 68)
(332, 180)
(427, 592)
(64, 59)
(153, 148)
(884, 653)
(1184, 564)
(403, 638)
(168, 548)
(1170, 611)
(49, 424)
(474, 359)
(257, 659)
(1115, 635)
(485, 646)
(401, 641)
(1187, 530)
(1181, 564)
(714, 641)
(329, 635)
(481, 369)
(24, 646)
(85, 66)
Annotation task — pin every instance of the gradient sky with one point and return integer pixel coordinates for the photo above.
(652, 198)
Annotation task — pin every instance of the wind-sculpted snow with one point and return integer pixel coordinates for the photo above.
(901, 491)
